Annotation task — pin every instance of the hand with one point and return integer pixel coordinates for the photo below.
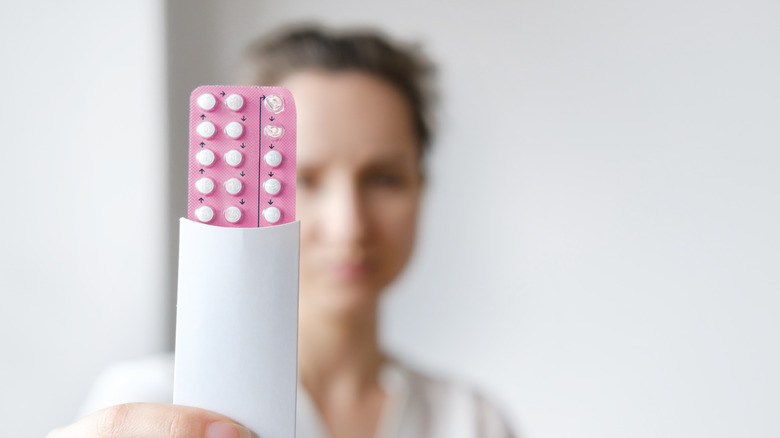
(152, 421)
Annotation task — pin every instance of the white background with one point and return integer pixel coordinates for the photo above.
(83, 204)
(599, 251)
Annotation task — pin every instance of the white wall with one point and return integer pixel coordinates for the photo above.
(84, 202)
(621, 277)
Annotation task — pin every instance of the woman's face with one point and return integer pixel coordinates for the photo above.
(359, 187)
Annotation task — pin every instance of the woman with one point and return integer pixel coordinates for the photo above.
(363, 133)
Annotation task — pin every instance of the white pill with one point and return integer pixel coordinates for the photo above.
(234, 130)
(207, 101)
(206, 129)
(272, 214)
(272, 186)
(205, 157)
(205, 185)
(232, 214)
(233, 157)
(234, 102)
(273, 158)
(233, 186)
(274, 103)
(273, 131)
(204, 214)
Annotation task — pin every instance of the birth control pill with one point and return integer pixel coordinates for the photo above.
(234, 130)
(205, 157)
(233, 157)
(272, 186)
(233, 186)
(234, 102)
(273, 131)
(274, 103)
(232, 214)
(205, 185)
(206, 129)
(273, 158)
(207, 101)
(204, 214)
(272, 214)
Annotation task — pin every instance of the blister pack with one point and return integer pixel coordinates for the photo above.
(237, 301)
(242, 156)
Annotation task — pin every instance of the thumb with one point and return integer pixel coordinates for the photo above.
(153, 421)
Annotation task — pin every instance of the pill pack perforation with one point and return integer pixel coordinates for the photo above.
(242, 154)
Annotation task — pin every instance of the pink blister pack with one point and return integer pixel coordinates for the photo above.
(242, 156)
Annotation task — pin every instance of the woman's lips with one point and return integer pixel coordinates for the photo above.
(350, 271)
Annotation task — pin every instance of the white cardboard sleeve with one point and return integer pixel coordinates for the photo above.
(237, 324)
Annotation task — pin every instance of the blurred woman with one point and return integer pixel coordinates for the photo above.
(363, 134)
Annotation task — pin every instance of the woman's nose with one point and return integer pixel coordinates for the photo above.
(346, 219)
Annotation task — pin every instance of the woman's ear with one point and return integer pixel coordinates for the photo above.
(422, 171)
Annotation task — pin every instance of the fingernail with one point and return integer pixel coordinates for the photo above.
(221, 429)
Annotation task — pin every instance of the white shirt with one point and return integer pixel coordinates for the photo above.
(417, 406)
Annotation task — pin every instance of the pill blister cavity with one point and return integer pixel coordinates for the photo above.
(204, 214)
(234, 130)
(273, 158)
(274, 103)
(232, 214)
(205, 157)
(206, 129)
(235, 102)
(233, 157)
(206, 101)
(273, 131)
(205, 185)
(272, 186)
(233, 186)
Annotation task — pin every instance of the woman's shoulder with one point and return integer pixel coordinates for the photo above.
(444, 407)
(149, 379)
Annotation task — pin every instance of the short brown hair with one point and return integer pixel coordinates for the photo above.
(267, 61)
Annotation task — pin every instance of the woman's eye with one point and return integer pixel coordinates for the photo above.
(304, 181)
(386, 179)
